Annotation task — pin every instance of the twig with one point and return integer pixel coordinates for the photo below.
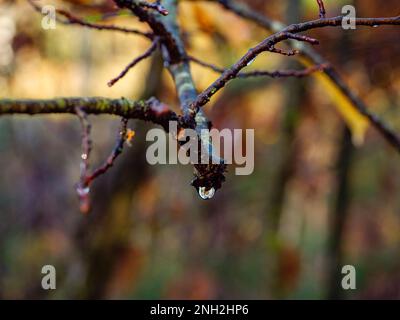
(74, 20)
(82, 187)
(148, 110)
(119, 146)
(261, 73)
(143, 56)
(175, 59)
(302, 38)
(322, 12)
(246, 12)
(71, 19)
(86, 178)
(288, 53)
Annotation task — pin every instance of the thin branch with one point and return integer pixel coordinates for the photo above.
(387, 132)
(71, 19)
(246, 12)
(143, 56)
(288, 53)
(262, 73)
(302, 38)
(287, 33)
(117, 150)
(82, 187)
(86, 141)
(86, 178)
(322, 11)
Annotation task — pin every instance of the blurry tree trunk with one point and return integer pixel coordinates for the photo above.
(286, 153)
(290, 119)
(105, 235)
(339, 216)
(339, 213)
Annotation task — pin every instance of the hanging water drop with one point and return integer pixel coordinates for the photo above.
(82, 192)
(206, 194)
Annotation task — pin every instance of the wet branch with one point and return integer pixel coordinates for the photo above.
(150, 110)
(322, 11)
(175, 59)
(71, 19)
(262, 73)
(166, 34)
(87, 178)
(134, 62)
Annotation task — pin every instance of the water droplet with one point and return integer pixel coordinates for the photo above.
(375, 26)
(84, 156)
(206, 194)
(83, 191)
(251, 62)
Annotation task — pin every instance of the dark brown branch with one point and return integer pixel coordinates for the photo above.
(143, 56)
(302, 38)
(71, 19)
(392, 137)
(82, 187)
(175, 58)
(288, 53)
(322, 11)
(148, 110)
(246, 12)
(262, 73)
(271, 41)
(86, 179)
(119, 146)
(86, 141)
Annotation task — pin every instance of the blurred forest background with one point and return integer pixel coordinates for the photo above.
(315, 202)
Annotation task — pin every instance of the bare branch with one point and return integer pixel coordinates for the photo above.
(322, 11)
(143, 56)
(82, 187)
(288, 53)
(71, 19)
(148, 110)
(86, 179)
(303, 38)
(119, 146)
(261, 73)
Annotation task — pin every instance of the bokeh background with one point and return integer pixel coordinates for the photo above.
(321, 196)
